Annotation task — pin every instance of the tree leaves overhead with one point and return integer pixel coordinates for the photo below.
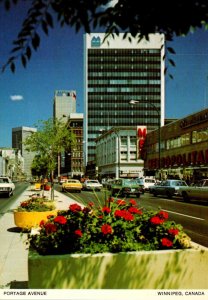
(172, 18)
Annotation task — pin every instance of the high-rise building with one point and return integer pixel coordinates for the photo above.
(19, 135)
(64, 104)
(117, 71)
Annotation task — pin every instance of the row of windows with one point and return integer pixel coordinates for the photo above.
(183, 140)
(123, 68)
(123, 52)
(123, 81)
(123, 60)
(122, 89)
(138, 74)
(106, 98)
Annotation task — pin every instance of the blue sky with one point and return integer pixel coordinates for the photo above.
(27, 95)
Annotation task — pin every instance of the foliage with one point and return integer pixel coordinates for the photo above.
(39, 166)
(51, 138)
(36, 204)
(115, 16)
(120, 227)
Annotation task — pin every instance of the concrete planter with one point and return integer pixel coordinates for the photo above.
(27, 220)
(168, 269)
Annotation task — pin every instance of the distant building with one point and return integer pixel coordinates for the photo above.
(11, 163)
(19, 135)
(64, 104)
(117, 71)
(118, 152)
(74, 158)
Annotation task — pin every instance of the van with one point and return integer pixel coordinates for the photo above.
(147, 182)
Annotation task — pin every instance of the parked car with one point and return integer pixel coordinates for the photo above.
(7, 187)
(146, 183)
(198, 191)
(168, 188)
(71, 185)
(124, 187)
(92, 184)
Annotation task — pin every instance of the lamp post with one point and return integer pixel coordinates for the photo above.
(118, 151)
(135, 102)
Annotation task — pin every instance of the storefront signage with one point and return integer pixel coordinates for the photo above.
(186, 159)
(141, 136)
(188, 122)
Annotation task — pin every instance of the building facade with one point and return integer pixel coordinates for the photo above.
(19, 135)
(118, 152)
(72, 161)
(116, 72)
(64, 104)
(184, 148)
(11, 163)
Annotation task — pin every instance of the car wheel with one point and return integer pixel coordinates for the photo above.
(185, 197)
(155, 194)
(169, 195)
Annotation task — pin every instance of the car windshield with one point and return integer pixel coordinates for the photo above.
(92, 181)
(4, 180)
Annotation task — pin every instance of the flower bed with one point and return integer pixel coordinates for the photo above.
(31, 212)
(116, 246)
(120, 227)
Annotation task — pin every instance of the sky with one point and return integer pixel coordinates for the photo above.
(27, 95)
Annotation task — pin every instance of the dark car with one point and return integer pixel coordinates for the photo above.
(168, 188)
(123, 187)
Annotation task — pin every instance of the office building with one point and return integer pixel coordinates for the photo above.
(19, 135)
(64, 104)
(116, 72)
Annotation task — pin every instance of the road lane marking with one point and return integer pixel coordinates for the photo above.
(173, 212)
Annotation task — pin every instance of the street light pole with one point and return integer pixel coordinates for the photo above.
(118, 152)
(135, 102)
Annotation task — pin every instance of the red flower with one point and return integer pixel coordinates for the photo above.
(106, 210)
(91, 204)
(50, 228)
(166, 242)
(106, 229)
(132, 201)
(126, 215)
(78, 232)
(156, 220)
(163, 215)
(135, 210)
(24, 204)
(75, 207)
(60, 220)
(42, 223)
(173, 231)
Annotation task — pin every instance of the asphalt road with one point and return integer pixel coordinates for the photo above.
(192, 216)
(6, 202)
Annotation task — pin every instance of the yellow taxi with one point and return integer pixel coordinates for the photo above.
(71, 185)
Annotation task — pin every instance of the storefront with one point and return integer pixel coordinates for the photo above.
(183, 151)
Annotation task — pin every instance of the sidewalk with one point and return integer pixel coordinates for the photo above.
(13, 250)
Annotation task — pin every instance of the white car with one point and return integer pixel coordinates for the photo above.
(6, 186)
(92, 184)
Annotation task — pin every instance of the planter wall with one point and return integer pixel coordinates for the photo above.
(27, 220)
(170, 269)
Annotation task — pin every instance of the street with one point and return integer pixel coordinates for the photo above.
(5, 203)
(192, 216)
